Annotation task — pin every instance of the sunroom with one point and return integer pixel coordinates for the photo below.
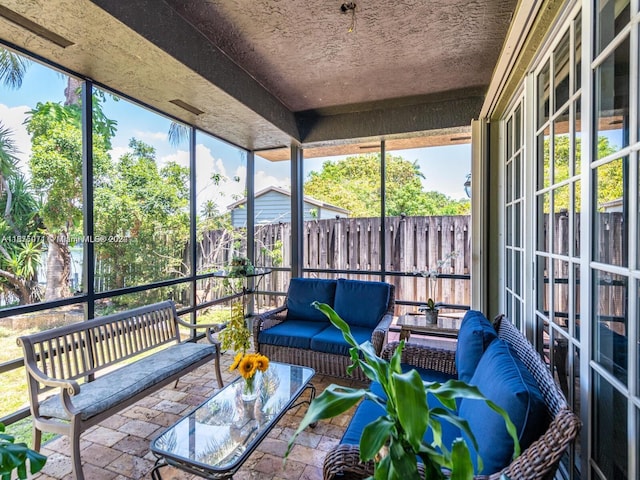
(532, 106)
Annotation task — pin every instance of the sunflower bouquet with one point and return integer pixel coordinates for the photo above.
(248, 364)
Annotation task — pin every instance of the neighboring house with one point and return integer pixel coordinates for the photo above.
(273, 205)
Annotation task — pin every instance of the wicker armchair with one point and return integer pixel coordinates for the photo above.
(322, 362)
(539, 461)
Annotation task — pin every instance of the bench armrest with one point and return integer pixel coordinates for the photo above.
(424, 357)
(211, 328)
(68, 388)
(71, 386)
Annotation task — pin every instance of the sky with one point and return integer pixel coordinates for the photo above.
(445, 168)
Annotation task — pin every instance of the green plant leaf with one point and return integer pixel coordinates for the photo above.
(411, 405)
(436, 429)
(37, 461)
(337, 321)
(432, 461)
(382, 469)
(461, 461)
(332, 402)
(442, 414)
(395, 364)
(402, 466)
(452, 389)
(374, 436)
(511, 428)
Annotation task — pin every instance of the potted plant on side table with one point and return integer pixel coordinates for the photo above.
(430, 308)
(395, 440)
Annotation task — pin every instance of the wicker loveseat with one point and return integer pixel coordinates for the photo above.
(507, 369)
(298, 333)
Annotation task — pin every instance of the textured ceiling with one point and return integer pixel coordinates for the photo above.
(265, 73)
(303, 52)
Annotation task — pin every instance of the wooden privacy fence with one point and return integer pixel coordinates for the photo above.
(412, 244)
(609, 247)
(353, 244)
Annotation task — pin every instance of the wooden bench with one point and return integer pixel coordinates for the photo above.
(58, 359)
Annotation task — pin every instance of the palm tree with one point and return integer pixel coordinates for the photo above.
(12, 68)
(19, 260)
(8, 168)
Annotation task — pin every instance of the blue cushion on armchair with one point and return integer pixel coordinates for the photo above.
(503, 379)
(361, 303)
(304, 291)
(475, 335)
(331, 340)
(291, 333)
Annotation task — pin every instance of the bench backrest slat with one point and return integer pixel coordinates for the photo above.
(81, 349)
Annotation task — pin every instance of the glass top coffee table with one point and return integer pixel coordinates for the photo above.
(215, 439)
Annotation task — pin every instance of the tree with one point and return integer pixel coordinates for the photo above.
(20, 245)
(354, 184)
(56, 171)
(609, 181)
(142, 218)
(12, 68)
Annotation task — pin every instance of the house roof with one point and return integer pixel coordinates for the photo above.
(282, 191)
(264, 73)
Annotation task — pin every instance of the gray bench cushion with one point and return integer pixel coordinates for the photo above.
(118, 386)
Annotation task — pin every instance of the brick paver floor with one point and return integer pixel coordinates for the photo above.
(118, 448)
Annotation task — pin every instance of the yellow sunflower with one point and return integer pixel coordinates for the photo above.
(247, 366)
(236, 361)
(262, 363)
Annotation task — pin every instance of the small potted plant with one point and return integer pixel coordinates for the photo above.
(430, 308)
(240, 267)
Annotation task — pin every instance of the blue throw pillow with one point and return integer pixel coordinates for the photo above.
(361, 303)
(475, 335)
(303, 292)
(503, 379)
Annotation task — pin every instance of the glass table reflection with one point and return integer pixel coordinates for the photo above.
(215, 439)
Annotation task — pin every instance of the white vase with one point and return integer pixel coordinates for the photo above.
(251, 387)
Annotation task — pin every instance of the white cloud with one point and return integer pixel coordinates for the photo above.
(151, 136)
(181, 157)
(227, 190)
(117, 152)
(13, 118)
(264, 180)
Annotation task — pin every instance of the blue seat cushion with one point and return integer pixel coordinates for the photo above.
(331, 340)
(304, 291)
(291, 333)
(504, 379)
(361, 303)
(368, 411)
(474, 337)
